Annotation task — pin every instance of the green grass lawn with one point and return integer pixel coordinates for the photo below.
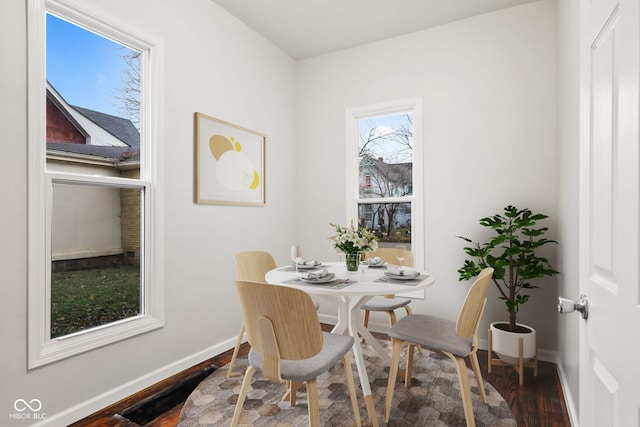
(84, 299)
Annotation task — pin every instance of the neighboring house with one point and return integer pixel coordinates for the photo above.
(380, 179)
(93, 133)
(385, 180)
(92, 225)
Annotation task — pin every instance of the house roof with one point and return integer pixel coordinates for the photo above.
(119, 127)
(109, 137)
(119, 154)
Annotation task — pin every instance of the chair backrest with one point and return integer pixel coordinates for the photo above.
(389, 255)
(471, 311)
(281, 323)
(253, 265)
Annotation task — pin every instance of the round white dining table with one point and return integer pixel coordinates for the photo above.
(347, 297)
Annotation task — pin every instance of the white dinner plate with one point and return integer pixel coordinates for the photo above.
(398, 277)
(326, 279)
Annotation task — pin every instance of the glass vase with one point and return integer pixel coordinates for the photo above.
(352, 261)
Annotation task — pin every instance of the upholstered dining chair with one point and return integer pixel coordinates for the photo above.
(288, 344)
(456, 340)
(251, 266)
(387, 303)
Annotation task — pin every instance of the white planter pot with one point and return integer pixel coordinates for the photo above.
(505, 344)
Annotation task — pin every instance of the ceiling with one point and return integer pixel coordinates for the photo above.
(306, 28)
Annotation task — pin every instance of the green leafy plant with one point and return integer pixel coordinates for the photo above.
(512, 253)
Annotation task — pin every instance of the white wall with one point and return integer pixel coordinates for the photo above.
(568, 202)
(489, 103)
(213, 64)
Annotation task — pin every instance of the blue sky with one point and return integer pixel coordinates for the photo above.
(86, 69)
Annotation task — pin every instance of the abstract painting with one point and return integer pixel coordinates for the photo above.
(230, 163)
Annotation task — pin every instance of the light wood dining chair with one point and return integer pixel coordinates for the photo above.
(456, 340)
(388, 303)
(251, 266)
(288, 344)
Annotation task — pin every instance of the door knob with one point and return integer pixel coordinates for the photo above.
(566, 305)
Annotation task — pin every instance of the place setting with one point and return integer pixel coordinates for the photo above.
(298, 263)
(402, 275)
(375, 262)
(303, 265)
(321, 278)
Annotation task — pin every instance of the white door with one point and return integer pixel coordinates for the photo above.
(609, 230)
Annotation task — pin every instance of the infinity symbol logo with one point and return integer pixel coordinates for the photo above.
(22, 405)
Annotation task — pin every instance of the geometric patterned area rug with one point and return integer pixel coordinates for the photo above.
(433, 399)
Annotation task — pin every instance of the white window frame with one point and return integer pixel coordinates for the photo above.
(352, 170)
(41, 348)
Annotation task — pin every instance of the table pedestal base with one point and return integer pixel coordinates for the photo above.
(349, 320)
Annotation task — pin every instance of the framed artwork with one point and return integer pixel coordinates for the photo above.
(230, 163)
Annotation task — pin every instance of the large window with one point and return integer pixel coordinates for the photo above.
(94, 227)
(385, 157)
(384, 173)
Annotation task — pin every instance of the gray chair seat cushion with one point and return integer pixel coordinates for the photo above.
(385, 304)
(334, 348)
(432, 333)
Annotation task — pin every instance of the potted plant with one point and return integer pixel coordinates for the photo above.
(513, 253)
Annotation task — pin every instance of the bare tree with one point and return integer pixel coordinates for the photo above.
(376, 142)
(128, 96)
(386, 180)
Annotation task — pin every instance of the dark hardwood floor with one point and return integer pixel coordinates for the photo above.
(537, 403)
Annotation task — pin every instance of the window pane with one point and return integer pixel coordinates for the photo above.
(93, 94)
(391, 222)
(95, 252)
(386, 156)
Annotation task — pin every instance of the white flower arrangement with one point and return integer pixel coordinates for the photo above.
(352, 240)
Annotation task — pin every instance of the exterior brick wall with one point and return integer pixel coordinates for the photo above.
(86, 263)
(130, 220)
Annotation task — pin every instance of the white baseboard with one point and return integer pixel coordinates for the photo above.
(103, 400)
(568, 397)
